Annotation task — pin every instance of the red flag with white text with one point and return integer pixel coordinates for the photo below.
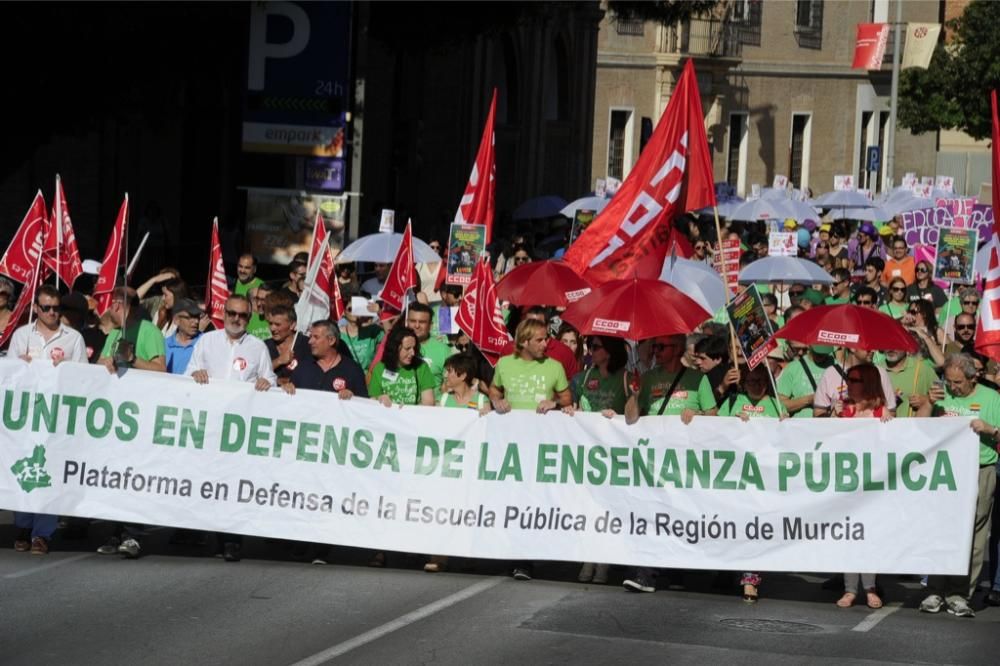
(402, 276)
(25, 248)
(480, 316)
(217, 288)
(672, 176)
(988, 327)
(869, 49)
(111, 268)
(478, 201)
(60, 252)
(321, 298)
(17, 317)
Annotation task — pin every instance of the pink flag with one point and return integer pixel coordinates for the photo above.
(217, 289)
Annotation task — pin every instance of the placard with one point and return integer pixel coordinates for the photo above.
(753, 328)
(956, 255)
(465, 243)
(782, 244)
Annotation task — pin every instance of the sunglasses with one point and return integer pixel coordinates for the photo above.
(521, 260)
(913, 312)
(796, 293)
(49, 308)
(865, 302)
(970, 302)
(237, 315)
(965, 327)
(897, 288)
(699, 248)
(921, 269)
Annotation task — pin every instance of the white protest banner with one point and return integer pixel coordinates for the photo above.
(800, 495)
(782, 244)
(780, 182)
(843, 182)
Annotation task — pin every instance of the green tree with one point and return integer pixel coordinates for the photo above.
(954, 92)
(666, 12)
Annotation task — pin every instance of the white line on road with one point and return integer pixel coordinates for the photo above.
(400, 622)
(47, 566)
(869, 622)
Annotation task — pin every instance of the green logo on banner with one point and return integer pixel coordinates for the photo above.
(30, 472)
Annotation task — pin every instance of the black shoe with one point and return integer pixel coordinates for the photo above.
(993, 598)
(639, 583)
(231, 552)
(521, 573)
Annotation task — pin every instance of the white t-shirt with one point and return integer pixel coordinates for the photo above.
(243, 360)
(65, 345)
(832, 387)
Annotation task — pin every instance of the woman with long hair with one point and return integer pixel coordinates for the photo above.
(569, 336)
(896, 303)
(923, 288)
(401, 377)
(921, 320)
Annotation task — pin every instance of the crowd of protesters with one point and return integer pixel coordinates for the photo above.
(406, 360)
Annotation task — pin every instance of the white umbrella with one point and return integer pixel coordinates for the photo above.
(595, 204)
(725, 206)
(382, 248)
(842, 199)
(876, 214)
(697, 280)
(792, 270)
(800, 211)
(761, 209)
(773, 193)
(904, 204)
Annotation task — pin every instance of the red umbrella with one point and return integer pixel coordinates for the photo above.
(848, 326)
(635, 309)
(550, 282)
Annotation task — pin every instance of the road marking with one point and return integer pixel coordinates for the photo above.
(47, 566)
(873, 619)
(400, 622)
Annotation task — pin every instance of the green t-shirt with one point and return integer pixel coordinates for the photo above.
(363, 345)
(794, 383)
(950, 310)
(983, 403)
(894, 310)
(148, 340)
(595, 393)
(742, 404)
(435, 353)
(403, 386)
(243, 289)
(258, 327)
(830, 300)
(527, 383)
(448, 400)
(692, 392)
(915, 378)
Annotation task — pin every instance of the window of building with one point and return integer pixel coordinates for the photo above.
(798, 172)
(736, 161)
(630, 26)
(619, 143)
(809, 23)
(747, 16)
(866, 128)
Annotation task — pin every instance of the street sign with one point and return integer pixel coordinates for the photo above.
(874, 158)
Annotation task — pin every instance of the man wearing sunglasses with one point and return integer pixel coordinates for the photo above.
(141, 346)
(47, 338)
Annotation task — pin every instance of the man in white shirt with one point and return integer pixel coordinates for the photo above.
(233, 354)
(47, 338)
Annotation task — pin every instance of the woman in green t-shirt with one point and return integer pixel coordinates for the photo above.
(402, 377)
(896, 304)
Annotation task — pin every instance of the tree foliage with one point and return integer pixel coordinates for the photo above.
(954, 92)
(667, 12)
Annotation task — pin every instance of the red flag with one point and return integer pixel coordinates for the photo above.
(321, 298)
(22, 255)
(673, 176)
(217, 289)
(32, 280)
(111, 267)
(60, 252)
(478, 200)
(480, 316)
(988, 328)
(402, 275)
(869, 49)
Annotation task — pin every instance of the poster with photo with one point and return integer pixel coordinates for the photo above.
(581, 221)
(280, 222)
(955, 259)
(465, 243)
(753, 328)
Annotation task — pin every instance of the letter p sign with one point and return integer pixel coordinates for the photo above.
(261, 49)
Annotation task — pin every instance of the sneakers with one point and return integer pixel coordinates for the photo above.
(586, 572)
(639, 583)
(318, 560)
(958, 607)
(521, 573)
(110, 547)
(22, 545)
(130, 549)
(932, 604)
(601, 574)
(39, 546)
(231, 551)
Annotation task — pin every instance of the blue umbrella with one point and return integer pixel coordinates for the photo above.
(540, 207)
(791, 270)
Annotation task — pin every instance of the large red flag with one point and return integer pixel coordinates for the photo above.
(217, 288)
(32, 280)
(869, 49)
(111, 266)
(673, 176)
(22, 255)
(402, 275)
(60, 252)
(478, 200)
(480, 316)
(320, 298)
(988, 328)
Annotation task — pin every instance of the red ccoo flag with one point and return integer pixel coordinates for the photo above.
(60, 252)
(478, 200)
(321, 298)
(673, 176)
(988, 328)
(402, 275)
(22, 255)
(111, 266)
(32, 280)
(480, 316)
(217, 289)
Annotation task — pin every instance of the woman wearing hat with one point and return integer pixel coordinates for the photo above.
(868, 245)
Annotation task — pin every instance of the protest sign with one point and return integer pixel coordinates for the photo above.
(782, 244)
(946, 183)
(581, 220)
(843, 182)
(465, 243)
(956, 254)
(727, 262)
(780, 182)
(387, 223)
(716, 494)
(611, 186)
(921, 227)
(751, 325)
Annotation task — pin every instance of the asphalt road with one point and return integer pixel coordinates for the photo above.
(178, 604)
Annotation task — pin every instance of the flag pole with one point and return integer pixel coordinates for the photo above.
(733, 352)
(59, 225)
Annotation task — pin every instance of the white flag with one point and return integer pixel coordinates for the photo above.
(921, 38)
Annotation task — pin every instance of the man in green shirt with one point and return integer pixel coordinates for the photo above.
(797, 382)
(840, 290)
(246, 275)
(432, 351)
(527, 379)
(669, 388)
(911, 377)
(961, 396)
(258, 325)
(144, 348)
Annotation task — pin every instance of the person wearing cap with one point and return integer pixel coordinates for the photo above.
(899, 264)
(797, 383)
(839, 253)
(832, 386)
(180, 345)
(790, 225)
(77, 315)
(809, 298)
(866, 246)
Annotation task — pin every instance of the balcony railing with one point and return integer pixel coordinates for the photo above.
(708, 37)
